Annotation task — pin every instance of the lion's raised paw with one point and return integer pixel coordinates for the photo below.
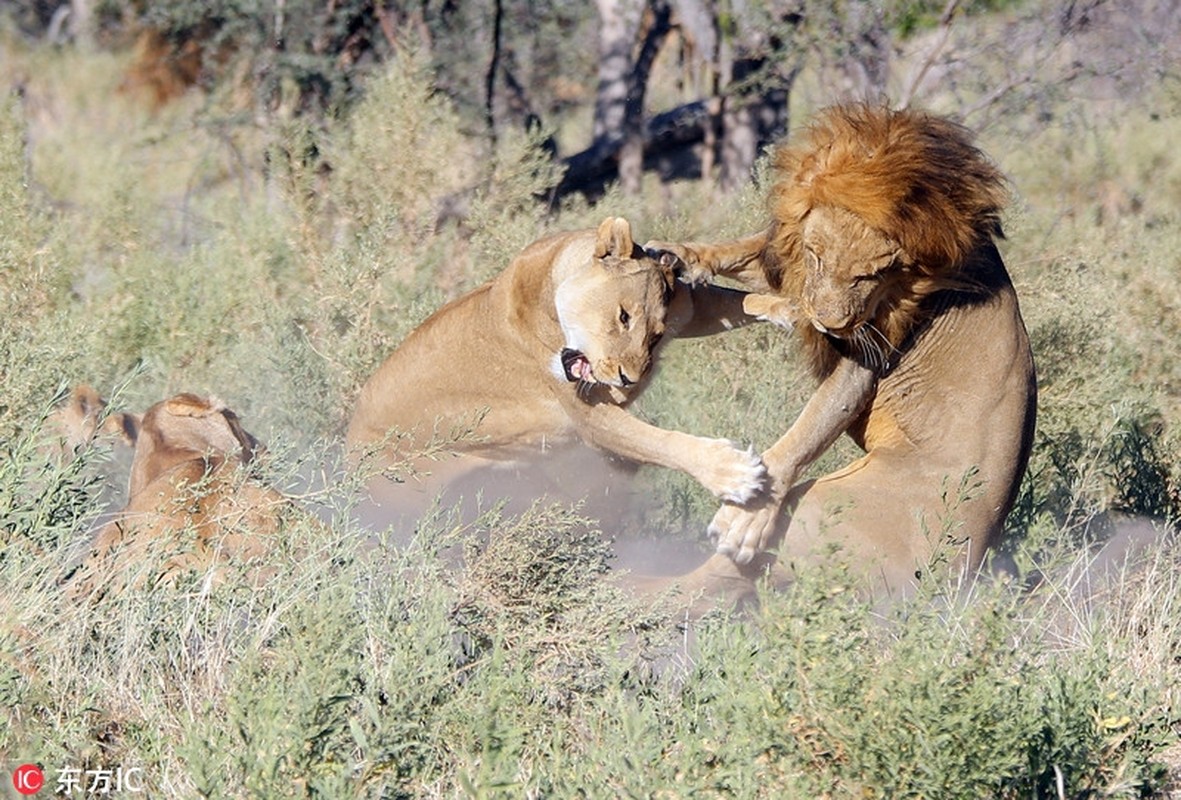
(687, 268)
(772, 308)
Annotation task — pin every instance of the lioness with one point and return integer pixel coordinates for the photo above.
(188, 479)
(881, 248)
(82, 418)
(550, 351)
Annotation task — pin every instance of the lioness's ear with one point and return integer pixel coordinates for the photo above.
(190, 405)
(86, 402)
(251, 447)
(125, 425)
(614, 238)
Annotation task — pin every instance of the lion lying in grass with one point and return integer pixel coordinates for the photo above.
(881, 250)
(191, 499)
(549, 352)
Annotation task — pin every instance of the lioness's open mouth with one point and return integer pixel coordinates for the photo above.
(576, 365)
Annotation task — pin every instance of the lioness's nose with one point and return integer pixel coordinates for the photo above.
(626, 381)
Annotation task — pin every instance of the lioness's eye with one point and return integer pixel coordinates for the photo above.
(624, 317)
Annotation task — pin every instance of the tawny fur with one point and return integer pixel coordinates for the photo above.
(191, 500)
(881, 251)
(161, 69)
(915, 177)
(491, 361)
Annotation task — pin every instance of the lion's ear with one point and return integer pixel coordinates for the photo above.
(614, 238)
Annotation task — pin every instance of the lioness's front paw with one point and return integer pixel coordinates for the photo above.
(731, 473)
(741, 533)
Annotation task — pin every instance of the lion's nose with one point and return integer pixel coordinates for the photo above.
(833, 323)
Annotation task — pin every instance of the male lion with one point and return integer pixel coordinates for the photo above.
(550, 351)
(881, 248)
(189, 479)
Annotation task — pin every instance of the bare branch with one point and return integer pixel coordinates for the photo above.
(945, 20)
(493, 68)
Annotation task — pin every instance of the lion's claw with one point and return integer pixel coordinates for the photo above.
(741, 533)
(688, 270)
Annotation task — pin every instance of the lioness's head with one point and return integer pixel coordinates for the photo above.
(612, 310)
(84, 417)
(185, 427)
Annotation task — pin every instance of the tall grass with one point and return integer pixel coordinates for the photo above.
(275, 265)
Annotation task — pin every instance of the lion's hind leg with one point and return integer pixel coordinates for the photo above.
(717, 584)
(872, 515)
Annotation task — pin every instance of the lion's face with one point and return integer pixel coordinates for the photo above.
(612, 312)
(849, 269)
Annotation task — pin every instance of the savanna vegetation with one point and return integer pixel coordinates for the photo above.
(270, 242)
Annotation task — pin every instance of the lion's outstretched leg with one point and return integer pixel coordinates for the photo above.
(741, 259)
(743, 532)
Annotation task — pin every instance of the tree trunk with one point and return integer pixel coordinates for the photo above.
(752, 119)
(735, 124)
(671, 146)
(631, 155)
(81, 24)
(619, 24)
(867, 66)
(740, 144)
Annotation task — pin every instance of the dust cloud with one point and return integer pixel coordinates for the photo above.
(602, 488)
